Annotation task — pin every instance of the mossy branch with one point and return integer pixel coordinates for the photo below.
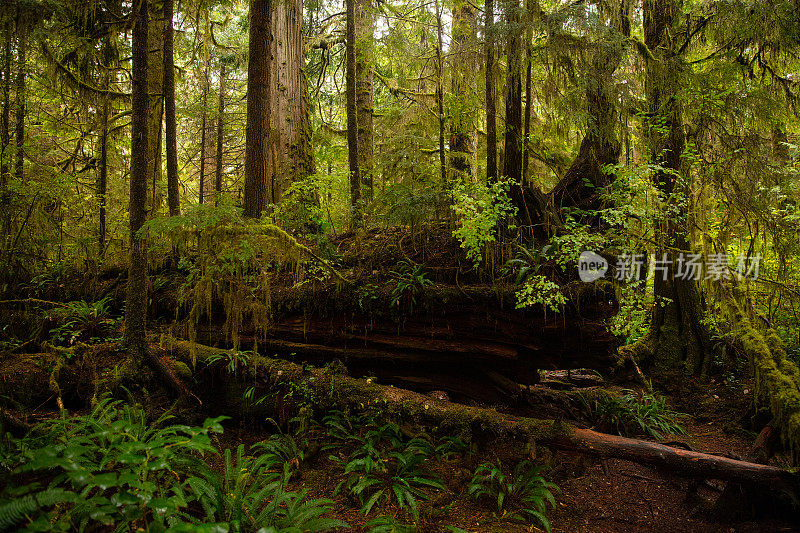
(273, 231)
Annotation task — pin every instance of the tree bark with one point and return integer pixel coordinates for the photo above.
(136, 301)
(463, 68)
(258, 79)
(491, 112)
(291, 157)
(677, 335)
(512, 157)
(220, 134)
(365, 29)
(173, 192)
(352, 118)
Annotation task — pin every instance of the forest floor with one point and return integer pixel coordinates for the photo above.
(606, 496)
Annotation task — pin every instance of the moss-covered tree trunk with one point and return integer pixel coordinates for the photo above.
(512, 159)
(201, 192)
(365, 29)
(600, 146)
(136, 298)
(220, 135)
(352, 116)
(102, 178)
(677, 337)
(463, 85)
(22, 48)
(5, 119)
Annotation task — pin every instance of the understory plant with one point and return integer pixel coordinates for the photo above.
(479, 209)
(522, 495)
(382, 466)
(632, 413)
(114, 469)
(81, 321)
(410, 281)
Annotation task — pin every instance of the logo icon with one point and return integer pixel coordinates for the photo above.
(591, 266)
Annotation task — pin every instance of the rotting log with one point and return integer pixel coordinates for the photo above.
(332, 390)
(450, 327)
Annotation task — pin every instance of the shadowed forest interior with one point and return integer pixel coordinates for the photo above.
(399, 265)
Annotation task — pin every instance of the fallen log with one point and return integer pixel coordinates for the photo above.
(678, 460)
(333, 390)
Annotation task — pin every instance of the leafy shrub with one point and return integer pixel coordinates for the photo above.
(479, 208)
(538, 290)
(632, 414)
(527, 261)
(450, 447)
(521, 496)
(388, 524)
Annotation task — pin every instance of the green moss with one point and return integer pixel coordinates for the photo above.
(777, 377)
(180, 369)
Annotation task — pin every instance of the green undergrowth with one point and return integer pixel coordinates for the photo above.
(113, 469)
(631, 413)
(116, 468)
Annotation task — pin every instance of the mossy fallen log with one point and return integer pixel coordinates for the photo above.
(333, 390)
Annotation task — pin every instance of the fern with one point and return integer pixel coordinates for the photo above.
(15, 511)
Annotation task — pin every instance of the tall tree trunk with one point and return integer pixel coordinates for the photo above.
(155, 88)
(463, 68)
(22, 45)
(491, 112)
(600, 146)
(440, 95)
(203, 127)
(5, 121)
(677, 335)
(102, 180)
(136, 302)
(258, 80)
(352, 117)
(290, 155)
(365, 30)
(512, 158)
(171, 129)
(220, 134)
(528, 97)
